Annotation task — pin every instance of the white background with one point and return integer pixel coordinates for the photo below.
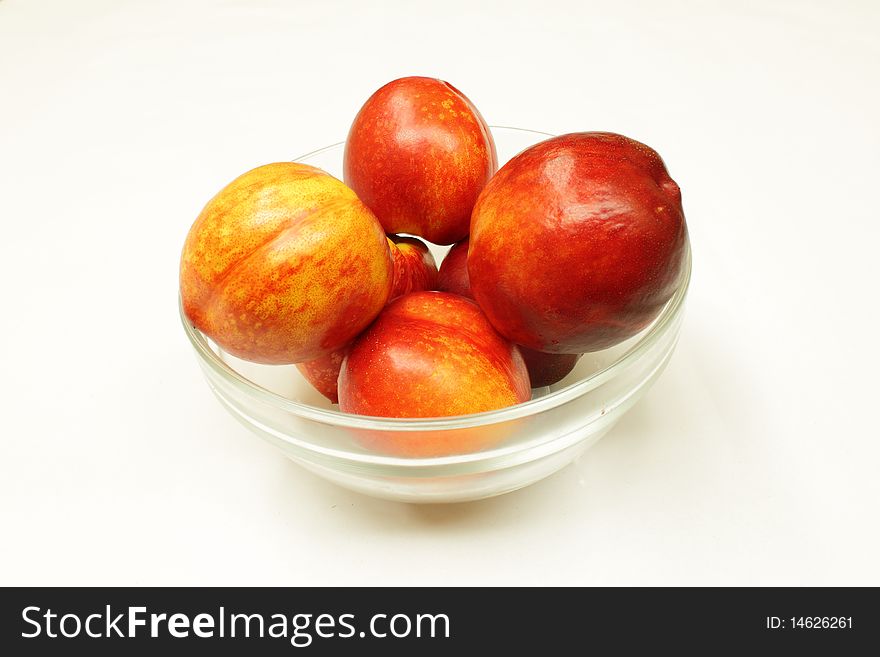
(753, 460)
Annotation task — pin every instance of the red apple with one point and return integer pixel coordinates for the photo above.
(544, 369)
(284, 264)
(414, 270)
(431, 354)
(577, 243)
(418, 154)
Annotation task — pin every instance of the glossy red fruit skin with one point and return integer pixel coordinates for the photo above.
(577, 243)
(453, 274)
(323, 373)
(414, 270)
(547, 369)
(431, 354)
(414, 266)
(418, 154)
(544, 369)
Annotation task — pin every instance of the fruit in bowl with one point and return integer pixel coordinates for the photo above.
(446, 459)
(414, 266)
(577, 243)
(284, 264)
(418, 154)
(453, 274)
(431, 354)
(544, 369)
(414, 270)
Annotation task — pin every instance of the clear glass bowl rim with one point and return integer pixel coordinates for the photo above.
(673, 308)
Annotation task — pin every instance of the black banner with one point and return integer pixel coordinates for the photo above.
(114, 621)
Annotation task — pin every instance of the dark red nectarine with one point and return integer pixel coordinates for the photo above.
(546, 369)
(577, 243)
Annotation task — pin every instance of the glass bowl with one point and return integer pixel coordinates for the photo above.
(540, 436)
